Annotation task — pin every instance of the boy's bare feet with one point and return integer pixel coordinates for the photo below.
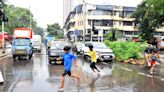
(61, 89)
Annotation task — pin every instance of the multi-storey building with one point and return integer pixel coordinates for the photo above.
(68, 6)
(103, 17)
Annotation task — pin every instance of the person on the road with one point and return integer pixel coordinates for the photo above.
(92, 53)
(153, 58)
(68, 58)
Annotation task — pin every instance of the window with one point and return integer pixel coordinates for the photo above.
(118, 13)
(103, 22)
(128, 33)
(89, 22)
(100, 12)
(127, 23)
(127, 14)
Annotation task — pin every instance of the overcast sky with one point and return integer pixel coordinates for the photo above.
(51, 11)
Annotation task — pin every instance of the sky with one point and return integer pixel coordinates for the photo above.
(51, 11)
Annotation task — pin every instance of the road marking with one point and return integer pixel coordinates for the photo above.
(12, 86)
(149, 75)
(126, 69)
(142, 73)
(4, 57)
(162, 79)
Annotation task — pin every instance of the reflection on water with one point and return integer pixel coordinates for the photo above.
(39, 76)
(92, 84)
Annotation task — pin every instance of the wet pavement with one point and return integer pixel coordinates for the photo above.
(37, 75)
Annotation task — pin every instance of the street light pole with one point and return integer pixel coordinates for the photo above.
(30, 24)
(84, 19)
(3, 37)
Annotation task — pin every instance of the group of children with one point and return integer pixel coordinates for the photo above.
(68, 59)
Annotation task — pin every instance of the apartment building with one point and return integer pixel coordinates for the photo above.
(68, 6)
(103, 17)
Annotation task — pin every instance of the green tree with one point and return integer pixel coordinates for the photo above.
(157, 4)
(148, 19)
(2, 2)
(39, 31)
(54, 29)
(113, 34)
(17, 17)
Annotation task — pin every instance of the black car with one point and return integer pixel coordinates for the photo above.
(56, 51)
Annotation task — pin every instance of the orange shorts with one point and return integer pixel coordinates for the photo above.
(153, 62)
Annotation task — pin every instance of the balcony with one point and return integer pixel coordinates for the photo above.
(99, 17)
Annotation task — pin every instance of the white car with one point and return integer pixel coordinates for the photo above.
(103, 52)
(37, 46)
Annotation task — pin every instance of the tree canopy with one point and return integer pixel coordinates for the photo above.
(148, 19)
(17, 17)
(2, 2)
(54, 29)
(113, 34)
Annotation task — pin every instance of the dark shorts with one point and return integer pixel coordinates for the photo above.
(93, 65)
(67, 73)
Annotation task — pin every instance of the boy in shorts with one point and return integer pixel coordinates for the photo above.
(153, 61)
(92, 53)
(68, 58)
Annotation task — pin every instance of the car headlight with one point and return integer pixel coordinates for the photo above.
(28, 50)
(13, 51)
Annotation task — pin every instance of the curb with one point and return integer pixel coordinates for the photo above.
(3, 55)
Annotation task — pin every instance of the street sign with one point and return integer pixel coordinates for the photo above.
(100, 32)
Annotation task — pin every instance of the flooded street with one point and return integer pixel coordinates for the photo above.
(37, 75)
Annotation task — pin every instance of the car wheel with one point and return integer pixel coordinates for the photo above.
(14, 57)
(86, 58)
(19, 58)
(30, 56)
(50, 62)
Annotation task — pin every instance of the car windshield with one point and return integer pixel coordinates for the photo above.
(35, 43)
(99, 46)
(21, 42)
(58, 45)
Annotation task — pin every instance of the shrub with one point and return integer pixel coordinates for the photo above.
(126, 50)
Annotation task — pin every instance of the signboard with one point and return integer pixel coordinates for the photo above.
(22, 34)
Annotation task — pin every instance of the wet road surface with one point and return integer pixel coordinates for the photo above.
(37, 75)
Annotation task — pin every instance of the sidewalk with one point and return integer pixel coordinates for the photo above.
(2, 54)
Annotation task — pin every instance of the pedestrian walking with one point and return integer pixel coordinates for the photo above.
(68, 58)
(92, 53)
(153, 58)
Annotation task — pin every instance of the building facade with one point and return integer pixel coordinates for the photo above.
(103, 17)
(68, 6)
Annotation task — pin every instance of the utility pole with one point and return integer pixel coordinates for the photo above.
(3, 35)
(30, 21)
(84, 19)
(92, 29)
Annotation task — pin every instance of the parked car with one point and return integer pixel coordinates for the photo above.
(78, 48)
(56, 51)
(37, 46)
(103, 52)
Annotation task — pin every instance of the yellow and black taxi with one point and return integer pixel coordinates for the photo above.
(56, 51)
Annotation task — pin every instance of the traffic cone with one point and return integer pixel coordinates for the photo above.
(1, 77)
